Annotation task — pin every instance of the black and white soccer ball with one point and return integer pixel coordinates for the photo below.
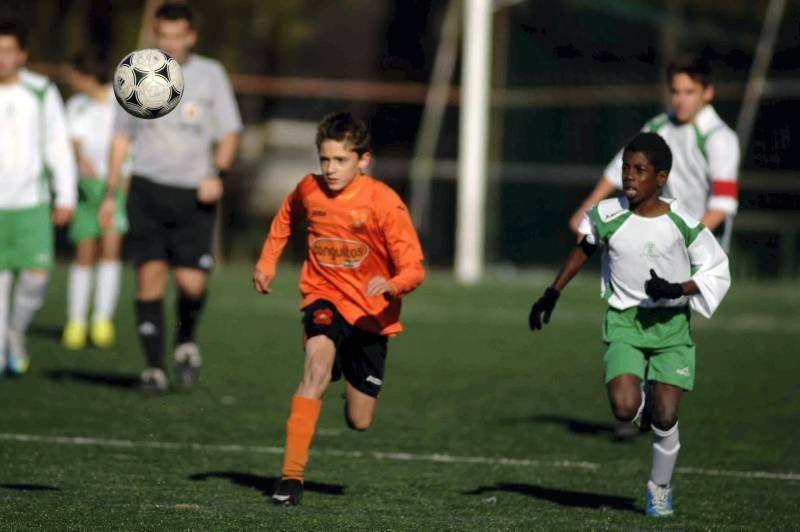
(148, 83)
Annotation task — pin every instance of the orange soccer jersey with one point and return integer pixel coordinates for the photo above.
(361, 232)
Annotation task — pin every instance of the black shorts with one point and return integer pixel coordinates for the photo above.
(169, 224)
(360, 355)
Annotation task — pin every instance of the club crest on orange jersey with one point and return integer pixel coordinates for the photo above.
(322, 316)
(358, 219)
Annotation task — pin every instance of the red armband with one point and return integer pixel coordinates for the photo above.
(725, 188)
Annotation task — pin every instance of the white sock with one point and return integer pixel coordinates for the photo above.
(107, 290)
(28, 298)
(6, 277)
(666, 445)
(80, 288)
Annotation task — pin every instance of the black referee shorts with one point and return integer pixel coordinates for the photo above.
(360, 355)
(169, 224)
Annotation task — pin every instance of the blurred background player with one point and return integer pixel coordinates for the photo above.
(33, 144)
(705, 150)
(177, 181)
(649, 243)
(363, 257)
(90, 118)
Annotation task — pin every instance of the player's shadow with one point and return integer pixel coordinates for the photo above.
(581, 426)
(29, 487)
(114, 380)
(575, 499)
(574, 425)
(266, 485)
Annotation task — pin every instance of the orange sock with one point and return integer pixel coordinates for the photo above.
(299, 431)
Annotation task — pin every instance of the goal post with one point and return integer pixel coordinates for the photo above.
(473, 141)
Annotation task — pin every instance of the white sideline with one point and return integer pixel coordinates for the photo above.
(378, 455)
(234, 448)
(430, 314)
(738, 474)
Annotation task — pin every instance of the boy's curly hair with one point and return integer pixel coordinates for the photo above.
(343, 127)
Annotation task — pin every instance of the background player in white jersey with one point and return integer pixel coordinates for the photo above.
(90, 117)
(33, 145)
(658, 262)
(705, 150)
(175, 185)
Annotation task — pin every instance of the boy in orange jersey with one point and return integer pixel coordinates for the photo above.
(363, 256)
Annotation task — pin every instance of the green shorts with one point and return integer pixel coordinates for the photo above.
(85, 225)
(650, 342)
(26, 239)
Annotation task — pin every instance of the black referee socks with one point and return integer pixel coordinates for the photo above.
(189, 310)
(150, 326)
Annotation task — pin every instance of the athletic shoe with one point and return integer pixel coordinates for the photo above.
(187, 363)
(102, 333)
(153, 381)
(658, 500)
(289, 492)
(18, 360)
(625, 430)
(74, 336)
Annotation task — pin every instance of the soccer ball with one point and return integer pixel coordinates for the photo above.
(148, 83)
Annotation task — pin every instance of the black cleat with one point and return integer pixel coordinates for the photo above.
(625, 430)
(288, 492)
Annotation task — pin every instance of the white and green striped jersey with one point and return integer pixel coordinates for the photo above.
(705, 162)
(33, 144)
(91, 124)
(675, 245)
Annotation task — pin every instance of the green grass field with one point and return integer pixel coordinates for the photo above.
(482, 424)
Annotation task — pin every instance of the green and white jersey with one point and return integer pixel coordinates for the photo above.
(91, 123)
(705, 162)
(33, 143)
(675, 245)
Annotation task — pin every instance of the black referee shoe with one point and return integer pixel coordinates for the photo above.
(187, 363)
(288, 492)
(153, 381)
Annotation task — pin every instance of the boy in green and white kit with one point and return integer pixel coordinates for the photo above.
(649, 243)
(90, 117)
(33, 141)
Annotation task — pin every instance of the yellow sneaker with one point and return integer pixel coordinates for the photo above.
(102, 333)
(74, 335)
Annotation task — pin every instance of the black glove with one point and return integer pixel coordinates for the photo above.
(658, 288)
(541, 310)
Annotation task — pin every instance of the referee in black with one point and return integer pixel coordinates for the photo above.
(179, 166)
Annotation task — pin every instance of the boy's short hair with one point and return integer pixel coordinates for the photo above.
(695, 66)
(92, 63)
(15, 28)
(654, 148)
(175, 11)
(343, 127)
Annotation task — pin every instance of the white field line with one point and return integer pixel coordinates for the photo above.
(378, 455)
(233, 448)
(737, 474)
(415, 313)
(736, 323)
